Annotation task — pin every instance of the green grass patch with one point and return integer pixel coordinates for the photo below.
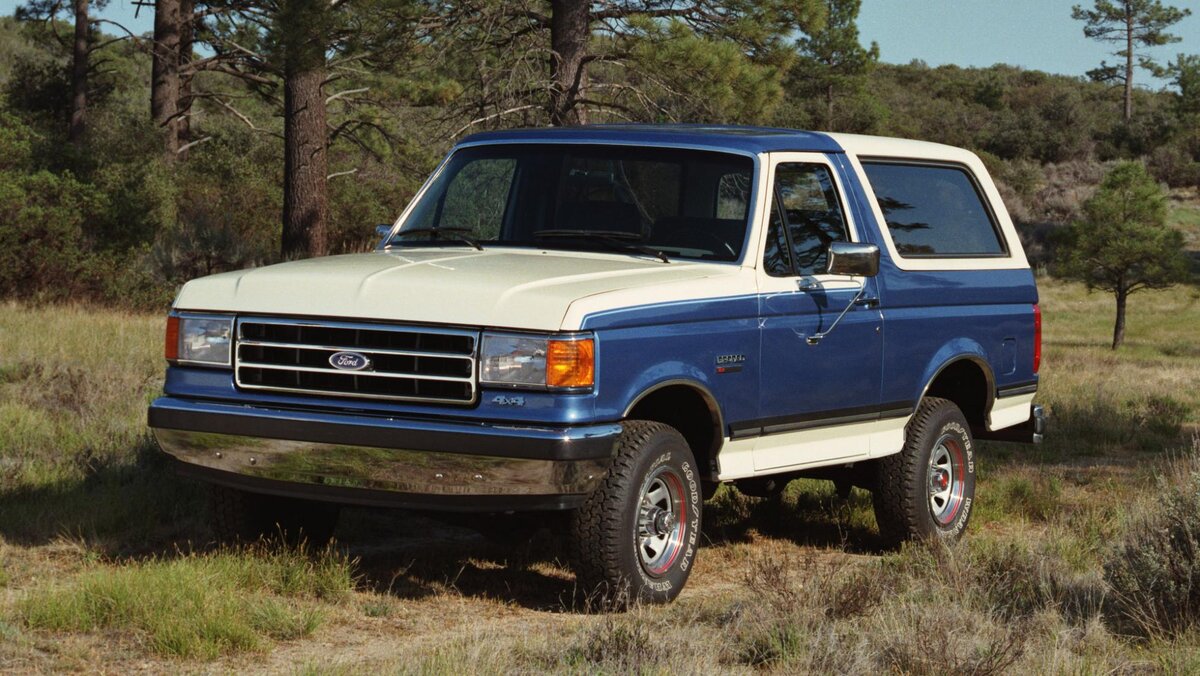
(201, 605)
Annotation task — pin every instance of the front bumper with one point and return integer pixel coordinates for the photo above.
(383, 461)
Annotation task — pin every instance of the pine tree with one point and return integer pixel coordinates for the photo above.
(833, 59)
(1123, 244)
(306, 46)
(538, 59)
(1133, 24)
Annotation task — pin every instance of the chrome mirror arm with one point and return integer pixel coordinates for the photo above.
(818, 336)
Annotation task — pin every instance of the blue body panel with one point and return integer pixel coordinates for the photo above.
(540, 407)
(746, 140)
(838, 375)
(643, 347)
(930, 318)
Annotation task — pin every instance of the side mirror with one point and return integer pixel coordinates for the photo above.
(853, 258)
(382, 232)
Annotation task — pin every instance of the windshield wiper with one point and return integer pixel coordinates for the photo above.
(453, 234)
(625, 241)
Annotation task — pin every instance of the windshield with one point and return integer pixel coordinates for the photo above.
(686, 204)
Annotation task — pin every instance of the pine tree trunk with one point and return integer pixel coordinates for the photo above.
(187, 37)
(305, 194)
(79, 75)
(1119, 328)
(570, 28)
(829, 108)
(164, 75)
(1128, 62)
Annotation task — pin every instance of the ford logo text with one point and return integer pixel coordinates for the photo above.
(349, 361)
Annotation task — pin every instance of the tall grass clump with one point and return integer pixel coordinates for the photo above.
(1154, 572)
(201, 605)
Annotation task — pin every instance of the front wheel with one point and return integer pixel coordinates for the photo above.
(927, 489)
(635, 539)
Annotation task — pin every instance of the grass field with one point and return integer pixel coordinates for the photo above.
(1077, 560)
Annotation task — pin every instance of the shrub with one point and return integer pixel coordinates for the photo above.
(42, 243)
(1154, 572)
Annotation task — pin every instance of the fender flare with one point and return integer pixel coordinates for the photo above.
(714, 407)
(988, 376)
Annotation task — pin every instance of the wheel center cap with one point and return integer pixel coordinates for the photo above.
(940, 479)
(664, 521)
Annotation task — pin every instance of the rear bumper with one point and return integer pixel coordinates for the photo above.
(375, 460)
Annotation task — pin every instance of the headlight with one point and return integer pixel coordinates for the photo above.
(199, 339)
(537, 361)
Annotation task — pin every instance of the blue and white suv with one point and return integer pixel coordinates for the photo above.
(611, 321)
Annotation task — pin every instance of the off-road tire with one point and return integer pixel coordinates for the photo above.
(904, 508)
(607, 531)
(239, 516)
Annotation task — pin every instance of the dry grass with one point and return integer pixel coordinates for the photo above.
(92, 524)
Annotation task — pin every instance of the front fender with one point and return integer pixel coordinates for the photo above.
(658, 376)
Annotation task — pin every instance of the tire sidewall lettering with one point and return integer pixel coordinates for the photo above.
(963, 436)
(664, 584)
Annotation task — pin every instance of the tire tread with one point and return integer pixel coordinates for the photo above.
(901, 475)
(596, 527)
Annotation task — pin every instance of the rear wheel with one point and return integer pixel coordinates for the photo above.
(241, 516)
(635, 539)
(928, 488)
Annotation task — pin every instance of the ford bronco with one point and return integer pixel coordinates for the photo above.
(610, 321)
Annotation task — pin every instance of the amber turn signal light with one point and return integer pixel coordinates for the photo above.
(171, 346)
(571, 363)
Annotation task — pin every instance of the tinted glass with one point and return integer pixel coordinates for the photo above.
(686, 203)
(806, 200)
(933, 210)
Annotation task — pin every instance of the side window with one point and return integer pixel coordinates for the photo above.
(933, 210)
(477, 197)
(806, 216)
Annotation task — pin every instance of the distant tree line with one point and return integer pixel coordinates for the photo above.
(240, 132)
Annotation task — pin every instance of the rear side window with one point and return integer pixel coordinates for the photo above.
(933, 210)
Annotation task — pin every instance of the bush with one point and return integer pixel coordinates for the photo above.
(42, 243)
(1154, 572)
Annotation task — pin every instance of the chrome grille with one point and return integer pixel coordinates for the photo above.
(406, 363)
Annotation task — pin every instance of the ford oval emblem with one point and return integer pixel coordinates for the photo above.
(349, 361)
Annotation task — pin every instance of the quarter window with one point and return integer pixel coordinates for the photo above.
(805, 217)
(933, 210)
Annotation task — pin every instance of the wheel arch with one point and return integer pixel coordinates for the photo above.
(688, 406)
(967, 380)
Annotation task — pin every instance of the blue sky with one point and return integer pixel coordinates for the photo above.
(1034, 34)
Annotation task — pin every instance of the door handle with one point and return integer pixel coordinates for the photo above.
(866, 301)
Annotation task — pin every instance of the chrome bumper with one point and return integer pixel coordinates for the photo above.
(384, 461)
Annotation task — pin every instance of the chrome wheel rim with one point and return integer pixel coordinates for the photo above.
(945, 479)
(661, 521)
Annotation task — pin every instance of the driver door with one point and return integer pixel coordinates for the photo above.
(813, 397)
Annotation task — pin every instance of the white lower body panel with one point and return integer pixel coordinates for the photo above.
(808, 449)
(1010, 411)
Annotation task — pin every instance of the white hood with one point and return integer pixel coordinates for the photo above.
(509, 288)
